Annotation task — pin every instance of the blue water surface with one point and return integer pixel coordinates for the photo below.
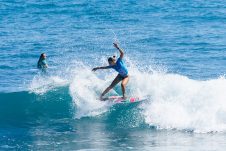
(185, 37)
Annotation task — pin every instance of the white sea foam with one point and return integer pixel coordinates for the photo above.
(181, 103)
(85, 90)
(42, 84)
(176, 102)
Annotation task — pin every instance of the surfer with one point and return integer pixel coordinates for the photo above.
(42, 64)
(121, 68)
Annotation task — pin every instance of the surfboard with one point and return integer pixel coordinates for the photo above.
(119, 99)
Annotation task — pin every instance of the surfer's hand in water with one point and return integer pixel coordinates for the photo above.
(116, 45)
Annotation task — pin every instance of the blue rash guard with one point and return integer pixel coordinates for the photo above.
(120, 67)
(42, 64)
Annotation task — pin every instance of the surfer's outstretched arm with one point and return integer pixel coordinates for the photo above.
(120, 50)
(97, 68)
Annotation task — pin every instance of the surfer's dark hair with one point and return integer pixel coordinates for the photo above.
(40, 59)
(111, 59)
(41, 56)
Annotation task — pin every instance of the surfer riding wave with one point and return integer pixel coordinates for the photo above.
(122, 70)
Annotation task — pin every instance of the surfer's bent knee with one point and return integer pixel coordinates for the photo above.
(123, 85)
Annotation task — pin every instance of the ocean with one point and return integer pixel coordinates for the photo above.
(176, 56)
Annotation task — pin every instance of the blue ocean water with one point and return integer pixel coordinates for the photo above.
(175, 52)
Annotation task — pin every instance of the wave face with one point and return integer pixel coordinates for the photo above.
(29, 108)
(174, 101)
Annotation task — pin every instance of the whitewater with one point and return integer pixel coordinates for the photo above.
(174, 101)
